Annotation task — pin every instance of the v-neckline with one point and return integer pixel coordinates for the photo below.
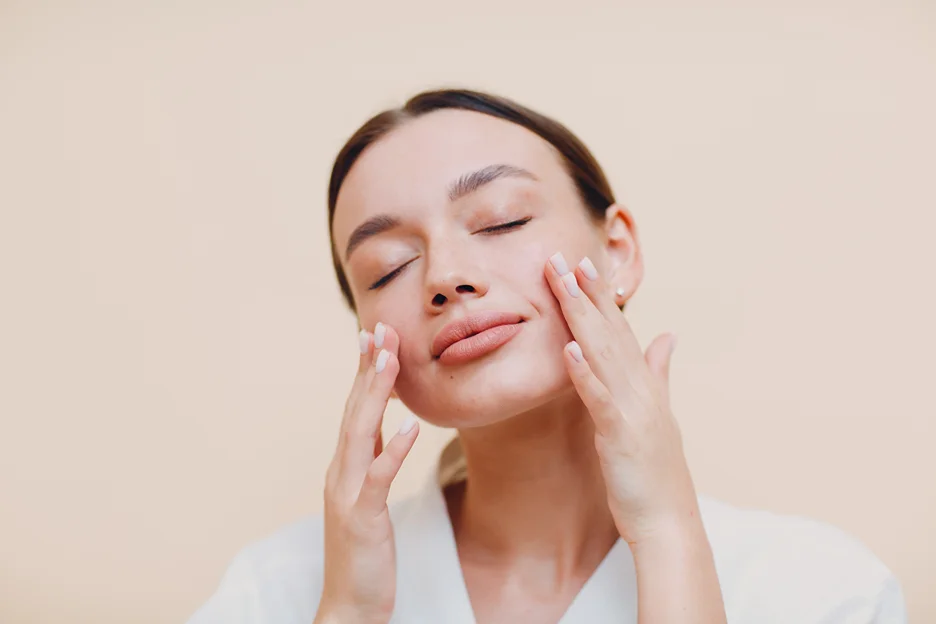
(609, 594)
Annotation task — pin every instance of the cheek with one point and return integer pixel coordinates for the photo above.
(414, 341)
(525, 272)
(523, 266)
(395, 311)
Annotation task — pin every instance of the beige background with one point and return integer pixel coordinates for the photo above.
(174, 354)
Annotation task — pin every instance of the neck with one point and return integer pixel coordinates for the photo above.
(535, 489)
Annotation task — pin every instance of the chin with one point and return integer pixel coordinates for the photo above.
(487, 391)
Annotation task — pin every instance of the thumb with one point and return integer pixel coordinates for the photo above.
(658, 357)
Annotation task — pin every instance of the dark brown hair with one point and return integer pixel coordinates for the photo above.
(585, 171)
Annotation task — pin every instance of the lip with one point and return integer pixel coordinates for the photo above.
(477, 334)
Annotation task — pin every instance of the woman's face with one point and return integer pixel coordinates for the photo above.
(460, 213)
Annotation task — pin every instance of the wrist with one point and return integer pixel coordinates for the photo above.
(330, 614)
(671, 532)
(676, 552)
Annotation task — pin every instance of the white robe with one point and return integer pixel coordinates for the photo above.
(772, 569)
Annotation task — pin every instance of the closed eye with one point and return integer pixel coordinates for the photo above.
(389, 276)
(503, 227)
(494, 229)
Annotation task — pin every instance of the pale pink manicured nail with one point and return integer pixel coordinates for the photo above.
(363, 341)
(559, 263)
(576, 351)
(382, 358)
(571, 284)
(588, 268)
(380, 331)
(408, 423)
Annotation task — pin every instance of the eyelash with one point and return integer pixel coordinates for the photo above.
(504, 227)
(494, 229)
(389, 276)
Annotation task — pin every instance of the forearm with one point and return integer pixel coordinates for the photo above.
(676, 579)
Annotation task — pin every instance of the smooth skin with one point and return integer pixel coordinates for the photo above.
(569, 410)
(360, 577)
(650, 491)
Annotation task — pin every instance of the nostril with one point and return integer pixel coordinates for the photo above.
(438, 300)
(464, 288)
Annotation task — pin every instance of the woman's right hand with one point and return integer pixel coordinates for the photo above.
(360, 558)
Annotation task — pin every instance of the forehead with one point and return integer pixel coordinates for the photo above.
(411, 167)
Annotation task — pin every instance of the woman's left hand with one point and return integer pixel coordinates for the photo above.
(650, 490)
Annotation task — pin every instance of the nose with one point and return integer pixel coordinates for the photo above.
(451, 279)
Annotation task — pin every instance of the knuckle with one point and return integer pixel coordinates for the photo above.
(603, 406)
(337, 507)
(602, 400)
(379, 475)
(332, 485)
(361, 432)
(396, 453)
(603, 444)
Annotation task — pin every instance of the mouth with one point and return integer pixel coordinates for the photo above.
(474, 336)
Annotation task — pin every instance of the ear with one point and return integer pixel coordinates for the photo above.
(622, 246)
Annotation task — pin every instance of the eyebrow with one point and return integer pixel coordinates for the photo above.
(370, 228)
(464, 185)
(471, 182)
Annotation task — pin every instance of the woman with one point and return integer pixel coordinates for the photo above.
(482, 250)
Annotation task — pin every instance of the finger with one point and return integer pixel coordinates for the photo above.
(590, 328)
(385, 337)
(389, 340)
(378, 445)
(579, 311)
(658, 357)
(365, 342)
(365, 346)
(380, 475)
(597, 289)
(595, 395)
(364, 425)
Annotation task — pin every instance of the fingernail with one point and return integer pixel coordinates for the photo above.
(559, 263)
(576, 351)
(571, 284)
(363, 341)
(588, 268)
(382, 358)
(379, 332)
(408, 423)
